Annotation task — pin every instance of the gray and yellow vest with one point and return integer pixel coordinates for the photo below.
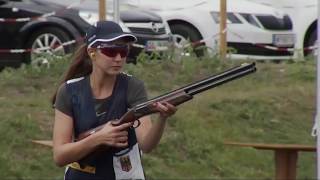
(108, 164)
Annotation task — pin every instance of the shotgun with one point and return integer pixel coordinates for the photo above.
(179, 96)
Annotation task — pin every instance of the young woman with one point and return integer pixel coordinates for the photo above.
(94, 92)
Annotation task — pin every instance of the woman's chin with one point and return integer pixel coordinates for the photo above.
(114, 71)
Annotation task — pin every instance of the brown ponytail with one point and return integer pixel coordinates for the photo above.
(80, 66)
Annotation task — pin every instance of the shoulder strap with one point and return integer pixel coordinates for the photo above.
(118, 101)
(82, 105)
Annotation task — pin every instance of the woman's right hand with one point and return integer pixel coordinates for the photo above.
(114, 136)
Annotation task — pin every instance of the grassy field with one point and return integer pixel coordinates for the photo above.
(274, 105)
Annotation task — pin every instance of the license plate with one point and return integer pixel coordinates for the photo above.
(283, 40)
(157, 45)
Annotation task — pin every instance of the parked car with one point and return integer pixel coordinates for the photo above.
(152, 32)
(304, 14)
(249, 24)
(17, 32)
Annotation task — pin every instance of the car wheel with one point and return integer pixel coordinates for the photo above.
(311, 42)
(182, 34)
(46, 45)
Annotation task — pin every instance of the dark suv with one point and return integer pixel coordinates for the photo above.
(28, 27)
(17, 32)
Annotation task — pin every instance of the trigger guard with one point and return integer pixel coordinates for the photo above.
(137, 124)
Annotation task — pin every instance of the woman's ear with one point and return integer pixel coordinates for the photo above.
(91, 53)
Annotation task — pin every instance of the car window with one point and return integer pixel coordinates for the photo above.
(2, 2)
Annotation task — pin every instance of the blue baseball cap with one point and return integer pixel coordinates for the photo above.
(106, 31)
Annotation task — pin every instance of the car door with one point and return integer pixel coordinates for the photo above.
(6, 30)
(10, 11)
(8, 35)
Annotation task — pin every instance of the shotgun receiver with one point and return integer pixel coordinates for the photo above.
(180, 95)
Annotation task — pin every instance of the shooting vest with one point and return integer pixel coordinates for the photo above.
(109, 163)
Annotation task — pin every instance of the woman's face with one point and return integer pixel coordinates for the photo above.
(110, 57)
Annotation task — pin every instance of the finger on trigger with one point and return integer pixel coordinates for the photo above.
(124, 126)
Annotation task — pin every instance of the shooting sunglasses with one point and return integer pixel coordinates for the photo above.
(113, 50)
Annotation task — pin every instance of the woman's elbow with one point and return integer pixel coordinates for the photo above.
(145, 149)
(58, 160)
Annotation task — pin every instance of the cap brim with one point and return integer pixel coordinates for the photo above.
(112, 37)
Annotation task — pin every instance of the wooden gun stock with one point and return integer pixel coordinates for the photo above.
(179, 96)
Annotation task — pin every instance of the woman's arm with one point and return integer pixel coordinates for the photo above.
(149, 133)
(66, 151)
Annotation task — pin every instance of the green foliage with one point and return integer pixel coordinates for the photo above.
(274, 105)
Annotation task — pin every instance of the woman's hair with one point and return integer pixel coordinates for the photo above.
(81, 66)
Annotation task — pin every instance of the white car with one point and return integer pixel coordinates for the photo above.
(304, 16)
(253, 30)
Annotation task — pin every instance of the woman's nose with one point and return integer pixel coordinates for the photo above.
(118, 57)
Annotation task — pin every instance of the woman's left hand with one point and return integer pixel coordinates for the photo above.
(165, 109)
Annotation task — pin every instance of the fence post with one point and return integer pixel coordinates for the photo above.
(223, 30)
(102, 10)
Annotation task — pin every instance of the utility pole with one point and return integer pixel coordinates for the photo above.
(223, 30)
(116, 11)
(102, 10)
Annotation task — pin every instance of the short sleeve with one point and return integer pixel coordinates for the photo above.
(63, 100)
(136, 92)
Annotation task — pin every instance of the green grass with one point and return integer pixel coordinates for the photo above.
(274, 105)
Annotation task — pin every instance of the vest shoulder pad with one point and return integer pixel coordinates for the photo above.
(75, 80)
(124, 73)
